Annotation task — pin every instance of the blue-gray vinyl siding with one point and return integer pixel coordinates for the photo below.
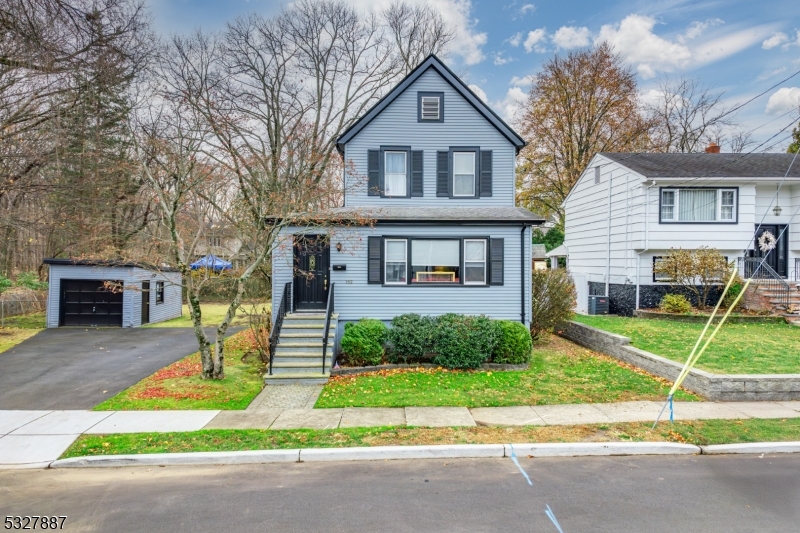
(355, 298)
(397, 126)
(132, 278)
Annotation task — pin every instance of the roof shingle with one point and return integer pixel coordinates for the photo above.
(708, 165)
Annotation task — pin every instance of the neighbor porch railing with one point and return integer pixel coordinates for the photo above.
(328, 313)
(757, 269)
(276, 328)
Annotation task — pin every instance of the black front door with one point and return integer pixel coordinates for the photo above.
(145, 302)
(86, 302)
(777, 258)
(311, 262)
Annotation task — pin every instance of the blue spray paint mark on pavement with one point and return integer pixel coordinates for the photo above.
(514, 458)
(671, 412)
(552, 518)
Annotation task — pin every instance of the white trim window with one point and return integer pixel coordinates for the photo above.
(475, 261)
(463, 173)
(698, 205)
(396, 262)
(395, 175)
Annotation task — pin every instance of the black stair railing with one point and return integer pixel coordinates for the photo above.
(276, 328)
(328, 313)
(757, 269)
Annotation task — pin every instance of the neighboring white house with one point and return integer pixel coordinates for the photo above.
(627, 210)
(78, 294)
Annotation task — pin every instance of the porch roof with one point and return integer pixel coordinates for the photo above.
(430, 215)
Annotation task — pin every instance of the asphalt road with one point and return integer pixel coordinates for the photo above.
(614, 494)
(77, 368)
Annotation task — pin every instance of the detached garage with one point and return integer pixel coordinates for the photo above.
(79, 295)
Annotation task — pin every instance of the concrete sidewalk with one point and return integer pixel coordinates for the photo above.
(36, 438)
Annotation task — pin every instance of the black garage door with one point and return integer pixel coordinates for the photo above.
(85, 302)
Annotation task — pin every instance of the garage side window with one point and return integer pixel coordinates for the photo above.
(159, 292)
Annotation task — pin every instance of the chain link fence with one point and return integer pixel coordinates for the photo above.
(16, 303)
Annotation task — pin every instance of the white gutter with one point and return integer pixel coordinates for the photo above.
(646, 239)
(608, 235)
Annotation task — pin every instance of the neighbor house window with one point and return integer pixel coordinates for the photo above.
(666, 278)
(475, 261)
(698, 205)
(435, 261)
(159, 292)
(396, 261)
(463, 173)
(395, 177)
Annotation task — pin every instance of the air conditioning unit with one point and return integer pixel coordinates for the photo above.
(598, 305)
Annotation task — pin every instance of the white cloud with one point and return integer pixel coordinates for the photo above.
(515, 40)
(478, 91)
(697, 28)
(782, 100)
(500, 60)
(767, 75)
(468, 41)
(727, 45)
(535, 40)
(510, 106)
(524, 81)
(569, 37)
(527, 8)
(776, 40)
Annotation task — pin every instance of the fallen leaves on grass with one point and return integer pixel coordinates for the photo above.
(190, 366)
(157, 392)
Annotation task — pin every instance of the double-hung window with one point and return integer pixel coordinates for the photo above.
(475, 261)
(395, 175)
(396, 261)
(698, 205)
(159, 292)
(463, 173)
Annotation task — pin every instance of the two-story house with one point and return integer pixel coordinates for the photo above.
(430, 173)
(626, 211)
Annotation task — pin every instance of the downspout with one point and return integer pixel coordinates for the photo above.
(522, 272)
(608, 236)
(646, 240)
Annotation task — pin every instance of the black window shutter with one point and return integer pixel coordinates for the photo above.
(486, 173)
(416, 173)
(496, 259)
(442, 173)
(373, 172)
(375, 259)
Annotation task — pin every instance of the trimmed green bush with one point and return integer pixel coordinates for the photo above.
(411, 337)
(675, 303)
(514, 344)
(464, 341)
(362, 342)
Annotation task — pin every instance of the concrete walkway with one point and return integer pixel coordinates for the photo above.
(36, 438)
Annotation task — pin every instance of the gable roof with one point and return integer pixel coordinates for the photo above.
(708, 165)
(435, 63)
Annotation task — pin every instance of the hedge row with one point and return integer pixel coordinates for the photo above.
(451, 340)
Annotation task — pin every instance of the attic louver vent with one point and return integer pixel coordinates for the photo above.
(430, 108)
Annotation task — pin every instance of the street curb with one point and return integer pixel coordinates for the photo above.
(752, 447)
(382, 453)
(578, 449)
(189, 458)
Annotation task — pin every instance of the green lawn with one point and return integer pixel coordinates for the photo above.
(18, 328)
(31, 321)
(212, 316)
(737, 348)
(178, 386)
(561, 372)
(695, 432)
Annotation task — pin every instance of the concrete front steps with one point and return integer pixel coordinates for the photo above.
(298, 355)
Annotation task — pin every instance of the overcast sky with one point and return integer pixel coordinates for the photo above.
(741, 47)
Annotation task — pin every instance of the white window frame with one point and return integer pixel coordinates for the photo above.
(473, 263)
(718, 212)
(405, 174)
(474, 170)
(438, 101)
(386, 261)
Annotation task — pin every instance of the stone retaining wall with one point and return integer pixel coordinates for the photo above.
(716, 387)
(732, 319)
(346, 371)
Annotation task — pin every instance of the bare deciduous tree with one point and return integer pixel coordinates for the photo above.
(417, 31)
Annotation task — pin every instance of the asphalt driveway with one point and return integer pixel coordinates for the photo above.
(77, 368)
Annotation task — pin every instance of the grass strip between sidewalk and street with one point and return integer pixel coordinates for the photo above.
(179, 386)
(695, 432)
(560, 372)
(739, 348)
